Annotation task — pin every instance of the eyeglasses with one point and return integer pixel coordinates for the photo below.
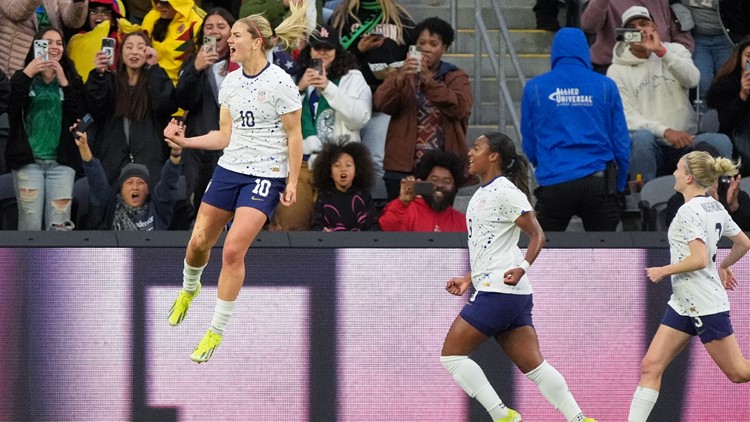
(100, 12)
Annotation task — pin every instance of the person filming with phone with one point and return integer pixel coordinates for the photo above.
(425, 201)
(130, 107)
(653, 78)
(730, 96)
(132, 203)
(46, 98)
(430, 102)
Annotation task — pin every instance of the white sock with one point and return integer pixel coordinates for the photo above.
(471, 378)
(191, 276)
(222, 312)
(554, 388)
(643, 402)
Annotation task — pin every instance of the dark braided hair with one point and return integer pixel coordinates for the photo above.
(513, 166)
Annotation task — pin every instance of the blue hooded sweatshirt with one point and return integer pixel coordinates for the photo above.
(572, 120)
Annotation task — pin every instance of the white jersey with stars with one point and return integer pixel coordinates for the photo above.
(258, 145)
(493, 236)
(700, 292)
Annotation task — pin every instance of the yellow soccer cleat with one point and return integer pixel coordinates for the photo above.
(585, 419)
(180, 306)
(512, 416)
(206, 347)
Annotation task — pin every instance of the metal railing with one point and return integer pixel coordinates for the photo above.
(482, 42)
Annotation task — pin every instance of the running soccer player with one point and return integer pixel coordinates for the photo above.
(699, 305)
(501, 306)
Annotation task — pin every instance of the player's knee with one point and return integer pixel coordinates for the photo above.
(650, 366)
(199, 242)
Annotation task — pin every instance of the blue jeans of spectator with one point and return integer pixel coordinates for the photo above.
(373, 137)
(41, 191)
(650, 157)
(711, 51)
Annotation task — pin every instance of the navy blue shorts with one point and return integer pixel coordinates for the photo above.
(707, 327)
(492, 313)
(229, 190)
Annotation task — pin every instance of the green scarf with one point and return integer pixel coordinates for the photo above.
(366, 27)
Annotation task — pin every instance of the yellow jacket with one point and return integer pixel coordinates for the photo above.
(181, 35)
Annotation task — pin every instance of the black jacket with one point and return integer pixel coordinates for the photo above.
(4, 92)
(18, 153)
(734, 16)
(145, 144)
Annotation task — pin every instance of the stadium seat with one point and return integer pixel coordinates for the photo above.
(8, 206)
(654, 197)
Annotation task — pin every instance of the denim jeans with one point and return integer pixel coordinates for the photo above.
(373, 137)
(37, 188)
(711, 51)
(650, 157)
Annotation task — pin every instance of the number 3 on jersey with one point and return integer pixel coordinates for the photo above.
(248, 119)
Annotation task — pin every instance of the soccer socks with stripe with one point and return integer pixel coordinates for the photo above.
(191, 276)
(554, 388)
(643, 402)
(471, 378)
(222, 312)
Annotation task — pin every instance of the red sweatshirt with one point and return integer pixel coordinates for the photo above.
(418, 216)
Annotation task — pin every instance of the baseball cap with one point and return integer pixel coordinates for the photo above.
(635, 12)
(325, 36)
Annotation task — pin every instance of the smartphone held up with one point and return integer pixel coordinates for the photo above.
(108, 48)
(209, 43)
(41, 49)
(416, 53)
(628, 35)
(317, 64)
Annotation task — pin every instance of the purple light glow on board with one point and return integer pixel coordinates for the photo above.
(79, 334)
(393, 314)
(712, 395)
(260, 371)
(589, 315)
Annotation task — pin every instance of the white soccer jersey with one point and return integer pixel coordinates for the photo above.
(699, 292)
(258, 144)
(493, 236)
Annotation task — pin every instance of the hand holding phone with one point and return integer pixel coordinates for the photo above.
(628, 35)
(84, 123)
(424, 188)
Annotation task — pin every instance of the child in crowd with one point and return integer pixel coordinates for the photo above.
(343, 174)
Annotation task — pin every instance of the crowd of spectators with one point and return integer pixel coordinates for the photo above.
(382, 109)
